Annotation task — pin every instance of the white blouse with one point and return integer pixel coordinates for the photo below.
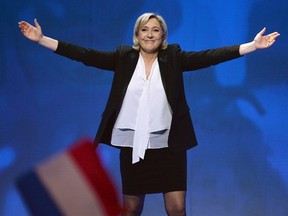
(145, 116)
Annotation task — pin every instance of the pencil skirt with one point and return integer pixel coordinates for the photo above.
(161, 171)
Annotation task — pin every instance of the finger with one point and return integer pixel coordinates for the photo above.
(262, 31)
(271, 43)
(36, 24)
(275, 34)
(22, 24)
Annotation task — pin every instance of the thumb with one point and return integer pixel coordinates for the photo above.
(262, 31)
(37, 24)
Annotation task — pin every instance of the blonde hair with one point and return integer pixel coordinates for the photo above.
(142, 20)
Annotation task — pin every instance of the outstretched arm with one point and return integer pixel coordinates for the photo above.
(260, 41)
(34, 33)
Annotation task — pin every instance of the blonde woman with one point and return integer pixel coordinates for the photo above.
(147, 116)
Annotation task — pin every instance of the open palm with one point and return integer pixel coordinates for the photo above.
(31, 32)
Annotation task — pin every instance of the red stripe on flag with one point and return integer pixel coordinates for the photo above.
(87, 159)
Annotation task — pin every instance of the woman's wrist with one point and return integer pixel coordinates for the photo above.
(254, 45)
(247, 47)
(48, 42)
(41, 37)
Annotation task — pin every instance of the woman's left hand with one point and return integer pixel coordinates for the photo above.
(264, 41)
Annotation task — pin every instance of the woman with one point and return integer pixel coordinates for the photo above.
(147, 116)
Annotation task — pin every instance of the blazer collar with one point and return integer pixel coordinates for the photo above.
(162, 59)
(163, 66)
(134, 55)
(162, 56)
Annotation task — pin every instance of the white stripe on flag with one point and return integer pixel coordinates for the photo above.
(68, 187)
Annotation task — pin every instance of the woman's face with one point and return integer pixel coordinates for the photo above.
(150, 36)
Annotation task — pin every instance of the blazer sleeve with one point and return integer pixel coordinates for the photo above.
(202, 59)
(90, 57)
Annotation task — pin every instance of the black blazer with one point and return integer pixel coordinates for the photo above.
(172, 63)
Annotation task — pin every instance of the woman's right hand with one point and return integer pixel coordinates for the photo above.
(31, 32)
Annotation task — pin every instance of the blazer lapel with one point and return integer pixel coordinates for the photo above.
(163, 66)
(131, 65)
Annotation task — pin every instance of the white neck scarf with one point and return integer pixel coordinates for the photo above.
(145, 108)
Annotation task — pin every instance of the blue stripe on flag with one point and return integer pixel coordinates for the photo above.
(35, 196)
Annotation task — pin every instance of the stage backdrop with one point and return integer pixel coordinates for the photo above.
(239, 108)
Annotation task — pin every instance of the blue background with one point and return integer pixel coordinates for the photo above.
(239, 108)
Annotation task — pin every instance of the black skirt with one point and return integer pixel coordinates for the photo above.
(161, 171)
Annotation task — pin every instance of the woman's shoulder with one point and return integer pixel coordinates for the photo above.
(173, 47)
(125, 48)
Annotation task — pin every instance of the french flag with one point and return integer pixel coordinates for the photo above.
(72, 183)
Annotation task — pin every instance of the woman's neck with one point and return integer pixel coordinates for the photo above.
(148, 57)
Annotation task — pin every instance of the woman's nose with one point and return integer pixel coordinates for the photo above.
(150, 34)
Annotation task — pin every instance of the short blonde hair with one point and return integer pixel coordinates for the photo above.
(142, 20)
